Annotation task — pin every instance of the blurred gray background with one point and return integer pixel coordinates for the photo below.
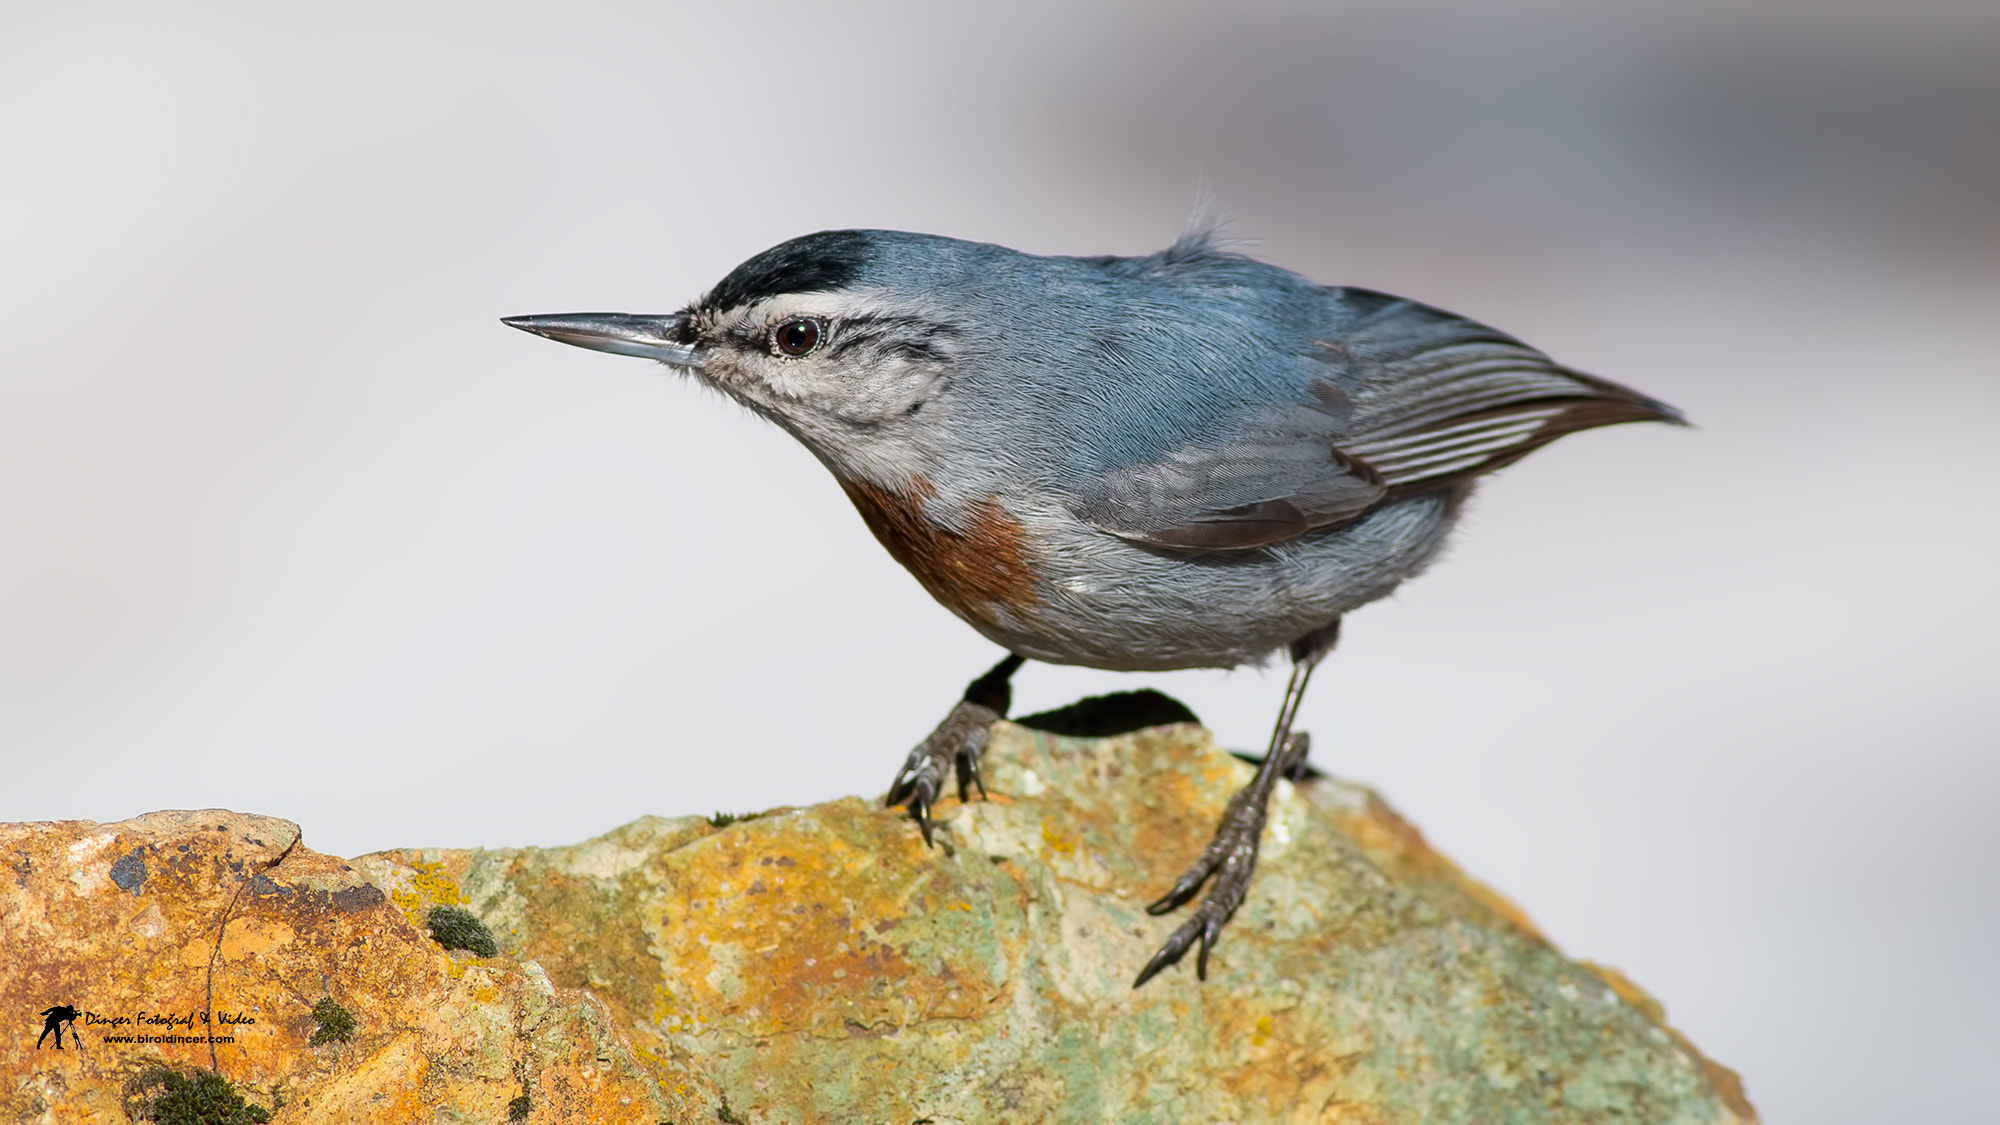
(290, 523)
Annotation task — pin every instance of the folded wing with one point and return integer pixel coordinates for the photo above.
(1411, 399)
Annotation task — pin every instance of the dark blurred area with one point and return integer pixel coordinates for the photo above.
(1547, 129)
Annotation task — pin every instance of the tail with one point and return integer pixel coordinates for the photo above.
(1443, 399)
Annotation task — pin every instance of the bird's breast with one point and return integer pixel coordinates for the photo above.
(976, 570)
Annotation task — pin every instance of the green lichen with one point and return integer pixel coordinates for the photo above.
(726, 1115)
(202, 1098)
(455, 928)
(517, 1110)
(336, 1024)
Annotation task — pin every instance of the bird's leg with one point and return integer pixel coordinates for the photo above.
(957, 742)
(1231, 857)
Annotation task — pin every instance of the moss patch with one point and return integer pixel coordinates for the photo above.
(455, 928)
(201, 1098)
(336, 1024)
(725, 819)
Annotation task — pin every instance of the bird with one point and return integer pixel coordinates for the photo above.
(1186, 459)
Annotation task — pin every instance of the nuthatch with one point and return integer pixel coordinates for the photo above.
(1185, 460)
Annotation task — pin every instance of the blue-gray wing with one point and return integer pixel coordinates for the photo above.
(1275, 476)
(1398, 399)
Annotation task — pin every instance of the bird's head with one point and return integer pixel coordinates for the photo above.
(845, 338)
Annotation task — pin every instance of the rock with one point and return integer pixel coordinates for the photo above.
(200, 925)
(821, 964)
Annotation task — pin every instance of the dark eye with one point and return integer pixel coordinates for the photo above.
(796, 337)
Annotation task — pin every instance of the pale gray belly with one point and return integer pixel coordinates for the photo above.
(1107, 603)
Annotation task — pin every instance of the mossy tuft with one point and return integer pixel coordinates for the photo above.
(336, 1024)
(518, 1109)
(169, 1097)
(456, 928)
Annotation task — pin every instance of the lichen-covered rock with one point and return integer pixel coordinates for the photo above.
(192, 941)
(822, 965)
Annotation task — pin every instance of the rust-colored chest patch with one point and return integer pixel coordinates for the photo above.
(969, 571)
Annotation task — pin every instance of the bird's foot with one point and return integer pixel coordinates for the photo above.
(1230, 858)
(958, 742)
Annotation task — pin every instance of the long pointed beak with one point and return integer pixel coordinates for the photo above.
(648, 337)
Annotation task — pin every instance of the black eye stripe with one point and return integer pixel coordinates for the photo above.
(851, 340)
(906, 336)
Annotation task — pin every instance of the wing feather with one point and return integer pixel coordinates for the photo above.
(1400, 398)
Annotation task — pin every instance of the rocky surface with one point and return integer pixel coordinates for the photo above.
(820, 964)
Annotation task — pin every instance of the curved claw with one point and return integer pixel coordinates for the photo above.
(1206, 924)
(958, 744)
(918, 779)
(1231, 884)
(1184, 888)
(968, 771)
(916, 786)
(1175, 948)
